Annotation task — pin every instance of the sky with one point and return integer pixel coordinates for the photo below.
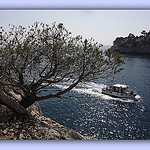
(102, 25)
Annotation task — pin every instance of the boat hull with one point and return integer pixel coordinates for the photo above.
(118, 95)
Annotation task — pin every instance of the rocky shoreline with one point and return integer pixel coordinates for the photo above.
(18, 123)
(34, 126)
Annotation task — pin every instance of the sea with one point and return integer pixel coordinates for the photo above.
(89, 112)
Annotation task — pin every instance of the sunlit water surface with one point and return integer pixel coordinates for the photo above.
(102, 116)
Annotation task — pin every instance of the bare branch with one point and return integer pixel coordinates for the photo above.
(62, 92)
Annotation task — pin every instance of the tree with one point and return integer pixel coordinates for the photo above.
(132, 36)
(144, 32)
(41, 55)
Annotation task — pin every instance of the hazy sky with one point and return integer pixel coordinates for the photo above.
(103, 25)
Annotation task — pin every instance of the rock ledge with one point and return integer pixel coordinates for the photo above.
(34, 126)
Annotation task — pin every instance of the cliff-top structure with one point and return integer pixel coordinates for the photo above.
(133, 44)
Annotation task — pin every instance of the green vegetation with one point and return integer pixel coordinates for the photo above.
(41, 55)
(133, 44)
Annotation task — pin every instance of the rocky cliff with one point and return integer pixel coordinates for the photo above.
(33, 126)
(133, 44)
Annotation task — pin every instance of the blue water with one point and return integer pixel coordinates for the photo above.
(92, 113)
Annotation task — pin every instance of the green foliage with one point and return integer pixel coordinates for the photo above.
(134, 41)
(42, 53)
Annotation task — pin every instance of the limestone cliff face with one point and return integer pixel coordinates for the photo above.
(133, 45)
(33, 126)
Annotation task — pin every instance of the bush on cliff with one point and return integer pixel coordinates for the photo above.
(133, 44)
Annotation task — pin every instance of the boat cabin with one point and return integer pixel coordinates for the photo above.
(121, 88)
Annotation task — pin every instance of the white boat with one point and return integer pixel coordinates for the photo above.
(119, 90)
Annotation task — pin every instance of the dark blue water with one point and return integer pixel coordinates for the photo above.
(93, 113)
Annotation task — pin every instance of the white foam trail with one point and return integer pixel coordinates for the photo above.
(137, 97)
(92, 89)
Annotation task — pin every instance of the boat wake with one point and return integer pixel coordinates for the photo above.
(95, 90)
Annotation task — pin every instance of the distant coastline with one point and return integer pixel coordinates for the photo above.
(104, 47)
(133, 44)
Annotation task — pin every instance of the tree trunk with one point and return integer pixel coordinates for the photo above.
(21, 79)
(11, 103)
(28, 100)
